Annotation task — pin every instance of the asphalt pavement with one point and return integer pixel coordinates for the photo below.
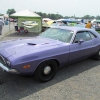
(8, 33)
(78, 81)
(7, 28)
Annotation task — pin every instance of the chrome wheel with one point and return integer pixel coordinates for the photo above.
(99, 53)
(47, 70)
(97, 56)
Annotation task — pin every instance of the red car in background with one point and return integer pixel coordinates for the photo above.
(11, 20)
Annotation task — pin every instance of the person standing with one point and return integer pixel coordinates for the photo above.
(88, 25)
(1, 25)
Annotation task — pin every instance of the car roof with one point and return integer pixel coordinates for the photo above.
(76, 29)
(72, 28)
(68, 20)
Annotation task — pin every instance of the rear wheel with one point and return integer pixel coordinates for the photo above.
(97, 55)
(46, 71)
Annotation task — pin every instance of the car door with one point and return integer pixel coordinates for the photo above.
(81, 50)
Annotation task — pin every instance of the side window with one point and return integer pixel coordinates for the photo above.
(84, 35)
(92, 35)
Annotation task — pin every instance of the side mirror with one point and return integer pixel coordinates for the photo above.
(80, 41)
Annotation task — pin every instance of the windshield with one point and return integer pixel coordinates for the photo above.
(58, 34)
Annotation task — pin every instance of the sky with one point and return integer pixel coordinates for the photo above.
(79, 8)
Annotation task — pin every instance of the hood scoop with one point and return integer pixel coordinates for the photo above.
(31, 43)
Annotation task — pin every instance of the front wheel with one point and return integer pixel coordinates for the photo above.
(46, 71)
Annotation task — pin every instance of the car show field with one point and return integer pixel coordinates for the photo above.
(49, 50)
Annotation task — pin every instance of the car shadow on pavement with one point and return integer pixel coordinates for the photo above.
(15, 87)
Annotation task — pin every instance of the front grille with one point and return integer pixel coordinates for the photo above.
(2, 60)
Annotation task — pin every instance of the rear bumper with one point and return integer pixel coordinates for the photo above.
(8, 70)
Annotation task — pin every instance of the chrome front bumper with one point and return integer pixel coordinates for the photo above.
(9, 70)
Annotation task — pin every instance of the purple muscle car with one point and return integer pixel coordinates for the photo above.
(52, 49)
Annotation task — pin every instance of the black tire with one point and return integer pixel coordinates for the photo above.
(41, 73)
(97, 56)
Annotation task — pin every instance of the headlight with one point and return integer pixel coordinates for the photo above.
(5, 61)
(8, 62)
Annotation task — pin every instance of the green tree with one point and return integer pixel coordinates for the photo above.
(98, 17)
(44, 15)
(86, 17)
(51, 16)
(39, 13)
(10, 11)
(66, 17)
(58, 16)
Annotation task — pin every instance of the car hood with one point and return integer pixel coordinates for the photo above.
(12, 47)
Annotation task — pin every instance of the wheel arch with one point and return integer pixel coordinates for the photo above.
(39, 72)
(57, 62)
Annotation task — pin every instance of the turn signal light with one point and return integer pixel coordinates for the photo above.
(27, 66)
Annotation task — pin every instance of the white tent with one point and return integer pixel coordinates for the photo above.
(47, 19)
(93, 20)
(30, 20)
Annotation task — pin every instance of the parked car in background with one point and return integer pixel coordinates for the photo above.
(44, 54)
(14, 20)
(97, 25)
(52, 23)
(69, 22)
(83, 25)
(11, 20)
